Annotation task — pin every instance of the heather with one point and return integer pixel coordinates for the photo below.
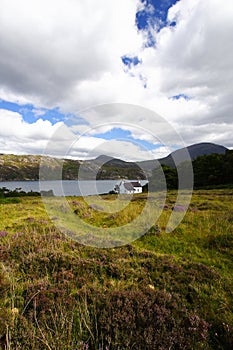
(162, 291)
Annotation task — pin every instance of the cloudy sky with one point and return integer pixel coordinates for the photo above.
(129, 78)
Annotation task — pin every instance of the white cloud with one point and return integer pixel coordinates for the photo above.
(60, 141)
(68, 55)
(211, 132)
(20, 137)
(90, 148)
(50, 49)
(17, 136)
(195, 58)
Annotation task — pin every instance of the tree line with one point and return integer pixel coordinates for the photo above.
(214, 170)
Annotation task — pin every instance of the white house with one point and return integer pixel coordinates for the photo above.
(126, 187)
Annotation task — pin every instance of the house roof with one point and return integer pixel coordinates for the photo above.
(128, 186)
(136, 184)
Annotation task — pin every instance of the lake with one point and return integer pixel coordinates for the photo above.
(65, 187)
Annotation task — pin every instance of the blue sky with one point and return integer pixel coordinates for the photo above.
(172, 57)
(119, 134)
(153, 14)
(31, 114)
(157, 14)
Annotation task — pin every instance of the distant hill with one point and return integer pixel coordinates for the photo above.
(213, 170)
(26, 167)
(113, 162)
(114, 168)
(196, 150)
(204, 149)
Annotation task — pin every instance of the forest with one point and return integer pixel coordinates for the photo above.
(210, 171)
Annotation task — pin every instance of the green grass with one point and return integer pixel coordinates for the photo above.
(162, 291)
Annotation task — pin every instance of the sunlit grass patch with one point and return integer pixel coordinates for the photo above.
(163, 290)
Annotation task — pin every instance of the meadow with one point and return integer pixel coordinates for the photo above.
(161, 291)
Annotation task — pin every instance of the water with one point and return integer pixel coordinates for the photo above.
(65, 187)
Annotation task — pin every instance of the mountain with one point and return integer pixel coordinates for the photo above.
(112, 162)
(204, 149)
(33, 167)
(180, 155)
(27, 167)
(196, 150)
(114, 168)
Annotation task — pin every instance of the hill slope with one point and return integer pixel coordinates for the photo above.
(196, 150)
(26, 167)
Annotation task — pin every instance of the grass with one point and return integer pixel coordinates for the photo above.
(162, 291)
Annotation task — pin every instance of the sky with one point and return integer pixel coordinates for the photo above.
(131, 79)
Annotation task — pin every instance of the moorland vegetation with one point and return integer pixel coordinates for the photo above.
(162, 291)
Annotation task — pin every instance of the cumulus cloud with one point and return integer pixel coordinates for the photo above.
(194, 58)
(90, 148)
(19, 137)
(61, 141)
(51, 49)
(68, 55)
